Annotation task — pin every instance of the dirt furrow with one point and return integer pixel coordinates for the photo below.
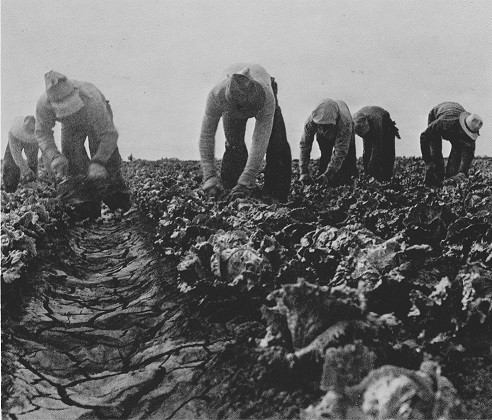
(98, 337)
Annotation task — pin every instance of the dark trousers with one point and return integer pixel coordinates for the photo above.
(348, 170)
(326, 151)
(435, 175)
(454, 160)
(11, 172)
(278, 169)
(113, 191)
(379, 153)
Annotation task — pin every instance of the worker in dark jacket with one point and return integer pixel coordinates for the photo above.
(331, 123)
(246, 91)
(83, 112)
(378, 132)
(449, 121)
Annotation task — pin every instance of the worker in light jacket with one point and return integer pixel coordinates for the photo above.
(245, 91)
(331, 123)
(378, 132)
(15, 167)
(83, 112)
(449, 121)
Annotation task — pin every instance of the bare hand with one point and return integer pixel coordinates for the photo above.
(212, 187)
(28, 176)
(239, 191)
(60, 166)
(456, 179)
(327, 179)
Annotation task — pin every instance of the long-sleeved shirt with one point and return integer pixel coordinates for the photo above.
(370, 121)
(333, 113)
(95, 117)
(217, 105)
(18, 139)
(375, 126)
(444, 124)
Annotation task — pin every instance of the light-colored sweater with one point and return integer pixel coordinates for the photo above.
(94, 118)
(18, 139)
(217, 106)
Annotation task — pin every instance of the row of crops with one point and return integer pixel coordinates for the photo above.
(368, 290)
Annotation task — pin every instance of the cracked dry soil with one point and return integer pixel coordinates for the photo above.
(101, 335)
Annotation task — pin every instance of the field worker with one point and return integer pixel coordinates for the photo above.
(246, 91)
(83, 113)
(15, 167)
(332, 124)
(378, 132)
(451, 122)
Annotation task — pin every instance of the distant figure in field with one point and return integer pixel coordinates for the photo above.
(378, 132)
(83, 112)
(15, 167)
(449, 121)
(246, 91)
(331, 123)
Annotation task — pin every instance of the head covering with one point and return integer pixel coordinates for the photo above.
(23, 129)
(28, 123)
(471, 124)
(326, 112)
(244, 93)
(361, 123)
(62, 94)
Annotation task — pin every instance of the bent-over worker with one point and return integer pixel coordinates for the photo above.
(15, 167)
(331, 123)
(449, 121)
(83, 112)
(378, 132)
(246, 91)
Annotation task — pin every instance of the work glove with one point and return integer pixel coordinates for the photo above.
(97, 172)
(59, 165)
(28, 176)
(212, 187)
(306, 179)
(239, 191)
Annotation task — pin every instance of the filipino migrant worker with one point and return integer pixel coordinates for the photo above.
(246, 91)
(83, 112)
(331, 123)
(15, 167)
(378, 132)
(449, 121)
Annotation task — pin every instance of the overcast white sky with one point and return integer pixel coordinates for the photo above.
(156, 61)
